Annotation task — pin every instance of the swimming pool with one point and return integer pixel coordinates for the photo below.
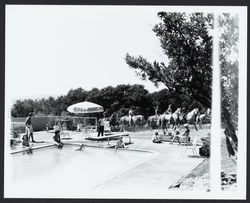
(55, 173)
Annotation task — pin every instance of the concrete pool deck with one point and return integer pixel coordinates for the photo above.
(157, 174)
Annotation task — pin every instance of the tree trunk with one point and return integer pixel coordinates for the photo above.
(230, 131)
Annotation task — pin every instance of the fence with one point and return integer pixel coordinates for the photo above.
(41, 122)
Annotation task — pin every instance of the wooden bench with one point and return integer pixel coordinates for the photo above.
(108, 137)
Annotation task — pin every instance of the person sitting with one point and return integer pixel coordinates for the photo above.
(26, 144)
(79, 127)
(156, 138)
(184, 136)
(47, 127)
(57, 139)
(176, 136)
(120, 143)
(15, 134)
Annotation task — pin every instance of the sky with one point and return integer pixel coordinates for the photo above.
(52, 49)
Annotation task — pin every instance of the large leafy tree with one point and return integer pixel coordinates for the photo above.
(229, 39)
(186, 41)
(114, 99)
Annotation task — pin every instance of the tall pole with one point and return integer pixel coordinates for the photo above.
(215, 158)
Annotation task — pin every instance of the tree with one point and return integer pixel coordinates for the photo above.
(23, 108)
(76, 95)
(122, 97)
(229, 39)
(18, 109)
(186, 41)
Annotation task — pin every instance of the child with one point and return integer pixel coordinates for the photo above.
(155, 138)
(185, 135)
(47, 127)
(26, 144)
(119, 143)
(57, 139)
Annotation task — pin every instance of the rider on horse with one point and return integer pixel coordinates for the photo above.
(156, 113)
(184, 114)
(169, 110)
(130, 115)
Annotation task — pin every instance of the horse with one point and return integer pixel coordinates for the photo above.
(152, 122)
(200, 118)
(191, 117)
(177, 118)
(164, 121)
(137, 120)
(114, 122)
(167, 119)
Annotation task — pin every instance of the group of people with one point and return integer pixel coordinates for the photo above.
(57, 138)
(101, 124)
(58, 142)
(184, 137)
(156, 138)
(168, 111)
(28, 136)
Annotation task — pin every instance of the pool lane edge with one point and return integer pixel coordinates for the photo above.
(87, 145)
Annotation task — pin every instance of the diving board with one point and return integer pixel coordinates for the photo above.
(108, 137)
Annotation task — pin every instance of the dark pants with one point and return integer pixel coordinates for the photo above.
(100, 130)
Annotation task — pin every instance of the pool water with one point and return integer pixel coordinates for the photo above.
(51, 172)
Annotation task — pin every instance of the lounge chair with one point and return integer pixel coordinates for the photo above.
(183, 140)
(192, 146)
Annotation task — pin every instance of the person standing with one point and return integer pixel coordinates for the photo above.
(101, 123)
(29, 128)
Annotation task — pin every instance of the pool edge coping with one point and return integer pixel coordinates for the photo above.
(88, 145)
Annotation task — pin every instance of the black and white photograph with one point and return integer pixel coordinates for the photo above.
(145, 102)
